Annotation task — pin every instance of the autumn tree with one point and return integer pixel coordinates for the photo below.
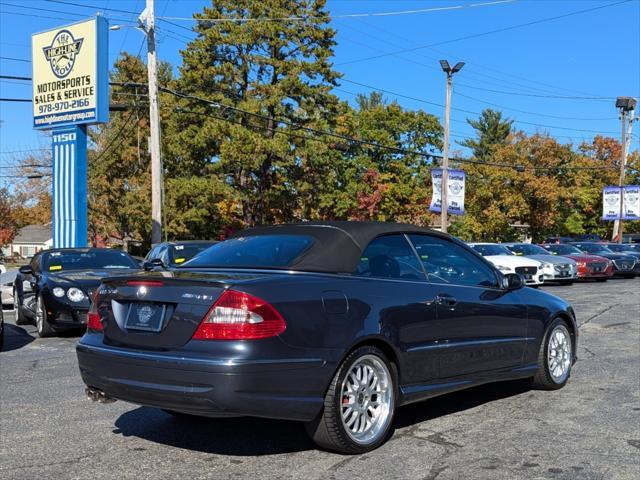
(281, 73)
(492, 130)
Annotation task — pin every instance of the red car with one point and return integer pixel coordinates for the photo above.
(589, 266)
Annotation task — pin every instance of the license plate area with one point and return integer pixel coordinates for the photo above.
(145, 316)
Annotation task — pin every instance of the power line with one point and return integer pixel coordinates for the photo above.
(500, 79)
(522, 94)
(15, 59)
(348, 15)
(531, 113)
(489, 32)
(376, 145)
(84, 5)
(14, 77)
(21, 100)
(390, 92)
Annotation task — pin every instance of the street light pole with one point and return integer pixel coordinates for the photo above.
(626, 106)
(154, 124)
(444, 186)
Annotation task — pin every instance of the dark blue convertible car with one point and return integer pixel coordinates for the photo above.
(334, 324)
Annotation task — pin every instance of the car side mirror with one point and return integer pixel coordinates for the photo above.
(512, 281)
(26, 269)
(153, 264)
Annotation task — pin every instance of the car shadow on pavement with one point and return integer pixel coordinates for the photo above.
(245, 436)
(458, 401)
(15, 337)
(240, 436)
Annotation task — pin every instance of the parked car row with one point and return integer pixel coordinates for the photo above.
(54, 290)
(563, 263)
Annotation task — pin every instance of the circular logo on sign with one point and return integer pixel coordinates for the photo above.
(62, 53)
(611, 200)
(455, 187)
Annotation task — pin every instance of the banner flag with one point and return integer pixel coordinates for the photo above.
(631, 202)
(455, 192)
(611, 203)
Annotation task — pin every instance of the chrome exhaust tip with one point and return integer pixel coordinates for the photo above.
(96, 395)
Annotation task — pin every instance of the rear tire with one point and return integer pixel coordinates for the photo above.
(42, 323)
(359, 404)
(555, 358)
(20, 318)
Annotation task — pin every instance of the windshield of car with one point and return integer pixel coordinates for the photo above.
(527, 249)
(563, 249)
(183, 252)
(593, 248)
(87, 260)
(491, 249)
(620, 247)
(260, 251)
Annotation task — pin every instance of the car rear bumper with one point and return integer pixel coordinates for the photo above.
(284, 388)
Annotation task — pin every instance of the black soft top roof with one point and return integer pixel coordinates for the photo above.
(338, 245)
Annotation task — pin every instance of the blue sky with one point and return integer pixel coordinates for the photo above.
(521, 71)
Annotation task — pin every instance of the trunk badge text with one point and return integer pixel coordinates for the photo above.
(194, 296)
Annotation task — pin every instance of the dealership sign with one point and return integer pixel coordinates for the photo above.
(71, 75)
(455, 192)
(630, 199)
(70, 91)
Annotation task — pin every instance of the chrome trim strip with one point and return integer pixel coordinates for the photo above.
(468, 343)
(194, 360)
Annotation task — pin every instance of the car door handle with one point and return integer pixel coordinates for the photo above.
(446, 300)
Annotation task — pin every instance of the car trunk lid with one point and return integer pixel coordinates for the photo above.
(160, 310)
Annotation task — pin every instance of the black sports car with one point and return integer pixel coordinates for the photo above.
(624, 264)
(174, 254)
(55, 288)
(333, 324)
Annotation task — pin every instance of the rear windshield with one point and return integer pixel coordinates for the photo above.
(260, 251)
(70, 260)
(183, 252)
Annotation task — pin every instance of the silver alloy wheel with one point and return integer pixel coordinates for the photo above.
(39, 316)
(367, 399)
(559, 354)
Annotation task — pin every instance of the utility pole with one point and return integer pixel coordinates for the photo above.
(154, 122)
(626, 105)
(444, 186)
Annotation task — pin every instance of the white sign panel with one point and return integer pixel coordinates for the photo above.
(631, 202)
(455, 192)
(71, 74)
(610, 203)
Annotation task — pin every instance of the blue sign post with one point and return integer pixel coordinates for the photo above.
(70, 91)
(69, 186)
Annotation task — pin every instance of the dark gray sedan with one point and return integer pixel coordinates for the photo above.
(332, 324)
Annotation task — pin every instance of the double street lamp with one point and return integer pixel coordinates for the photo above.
(444, 189)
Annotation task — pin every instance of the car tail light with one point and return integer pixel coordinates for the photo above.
(240, 316)
(93, 317)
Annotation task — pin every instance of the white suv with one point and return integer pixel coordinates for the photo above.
(505, 261)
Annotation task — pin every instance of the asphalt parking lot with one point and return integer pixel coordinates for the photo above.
(588, 430)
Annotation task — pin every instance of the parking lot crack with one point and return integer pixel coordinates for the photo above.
(435, 471)
(48, 464)
(594, 316)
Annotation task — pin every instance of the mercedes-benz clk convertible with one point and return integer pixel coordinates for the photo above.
(333, 324)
